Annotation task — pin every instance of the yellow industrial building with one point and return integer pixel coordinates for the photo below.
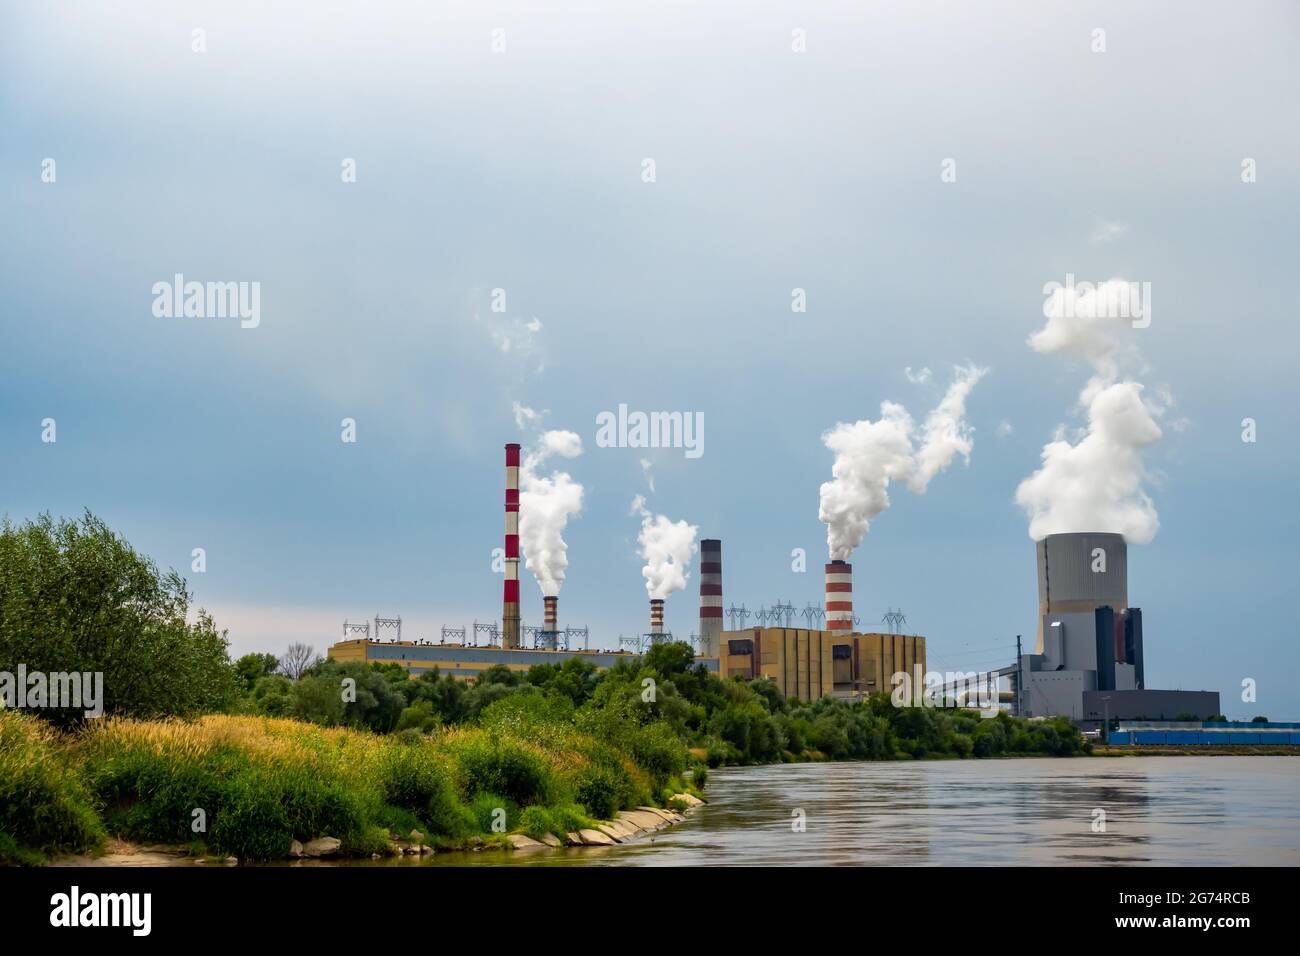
(467, 661)
(811, 664)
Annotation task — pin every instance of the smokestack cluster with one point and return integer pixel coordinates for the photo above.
(510, 603)
(839, 596)
(656, 616)
(710, 595)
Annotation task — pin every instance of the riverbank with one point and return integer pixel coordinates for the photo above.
(626, 827)
(259, 789)
(1163, 750)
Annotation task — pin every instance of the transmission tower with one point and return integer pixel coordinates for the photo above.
(394, 623)
(349, 628)
(782, 612)
(734, 612)
(895, 619)
(491, 630)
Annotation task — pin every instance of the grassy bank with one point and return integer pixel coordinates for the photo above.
(1140, 750)
(253, 785)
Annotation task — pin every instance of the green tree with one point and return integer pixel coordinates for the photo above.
(250, 668)
(74, 596)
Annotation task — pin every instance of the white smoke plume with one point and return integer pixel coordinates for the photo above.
(667, 548)
(869, 455)
(546, 503)
(1095, 483)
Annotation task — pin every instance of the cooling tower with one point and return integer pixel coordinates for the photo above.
(510, 602)
(839, 596)
(710, 596)
(1080, 572)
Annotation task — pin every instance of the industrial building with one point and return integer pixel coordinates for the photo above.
(467, 661)
(807, 663)
(1089, 662)
(811, 664)
(1205, 734)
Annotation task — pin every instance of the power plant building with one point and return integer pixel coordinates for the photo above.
(1089, 661)
(468, 661)
(811, 664)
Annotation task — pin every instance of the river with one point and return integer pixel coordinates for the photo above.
(1195, 811)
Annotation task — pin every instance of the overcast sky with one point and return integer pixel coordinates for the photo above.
(522, 170)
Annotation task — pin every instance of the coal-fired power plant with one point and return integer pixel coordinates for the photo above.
(839, 596)
(710, 595)
(510, 597)
(1089, 663)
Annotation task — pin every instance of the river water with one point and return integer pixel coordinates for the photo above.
(1242, 811)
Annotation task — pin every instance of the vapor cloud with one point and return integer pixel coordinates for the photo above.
(546, 503)
(667, 548)
(871, 454)
(1095, 483)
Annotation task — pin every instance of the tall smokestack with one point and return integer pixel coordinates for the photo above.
(839, 596)
(550, 612)
(710, 596)
(656, 616)
(510, 604)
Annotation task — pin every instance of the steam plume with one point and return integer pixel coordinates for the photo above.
(1095, 482)
(545, 505)
(869, 455)
(667, 547)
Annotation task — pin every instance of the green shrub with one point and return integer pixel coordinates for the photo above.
(602, 791)
(252, 823)
(500, 765)
(44, 806)
(488, 808)
(537, 821)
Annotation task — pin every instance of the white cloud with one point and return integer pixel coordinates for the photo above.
(1104, 231)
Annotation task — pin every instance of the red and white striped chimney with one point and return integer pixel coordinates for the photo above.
(510, 603)
(839, 596)
(550, 612)
(710, 596)
(656, 615)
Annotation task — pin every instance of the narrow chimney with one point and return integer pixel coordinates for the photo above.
(550, 613)
(656, 616)
(710, 596)
(839, 596)
(510, 603)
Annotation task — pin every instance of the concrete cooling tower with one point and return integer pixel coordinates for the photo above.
(1080, 572)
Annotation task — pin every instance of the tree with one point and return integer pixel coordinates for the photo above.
(252, 667)
(75, 597)
(296, 660)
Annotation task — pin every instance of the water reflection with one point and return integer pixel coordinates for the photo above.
(1157, 810)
